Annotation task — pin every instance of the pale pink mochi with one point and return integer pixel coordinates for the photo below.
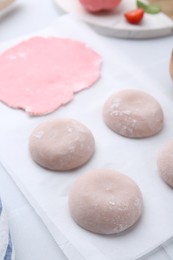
(105, 201)
(61, 145)
(99, 5)
(41, 74)
(165, 163)
(133, 113)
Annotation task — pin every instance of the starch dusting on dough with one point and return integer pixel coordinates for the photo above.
(133, 113)
(61, 144)
(41, 74)
(165, 163)
(105, 201)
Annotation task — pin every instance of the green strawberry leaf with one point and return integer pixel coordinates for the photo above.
(150, 9)
(141, 5)
(153, 9)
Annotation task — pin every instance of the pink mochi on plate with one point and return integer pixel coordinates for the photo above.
(99, 5)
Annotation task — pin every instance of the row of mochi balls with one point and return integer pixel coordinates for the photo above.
(103, 201)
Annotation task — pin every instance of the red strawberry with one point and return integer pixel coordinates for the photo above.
(135, 16)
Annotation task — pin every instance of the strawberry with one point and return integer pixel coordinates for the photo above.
(134, 16)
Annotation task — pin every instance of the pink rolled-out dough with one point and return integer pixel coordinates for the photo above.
(41, 74)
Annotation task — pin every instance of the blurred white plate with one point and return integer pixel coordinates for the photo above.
(114, 24)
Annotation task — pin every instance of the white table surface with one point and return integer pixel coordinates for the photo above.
(32, 240)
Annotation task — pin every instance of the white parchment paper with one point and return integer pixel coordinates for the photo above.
(48, 191)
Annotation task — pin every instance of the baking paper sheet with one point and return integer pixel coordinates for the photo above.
(48, 191)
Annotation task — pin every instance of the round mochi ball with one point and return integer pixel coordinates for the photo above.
(61, 145)
(133, 113)
(99, 5)
(165, 163)
(171, 66)
(105, 202)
